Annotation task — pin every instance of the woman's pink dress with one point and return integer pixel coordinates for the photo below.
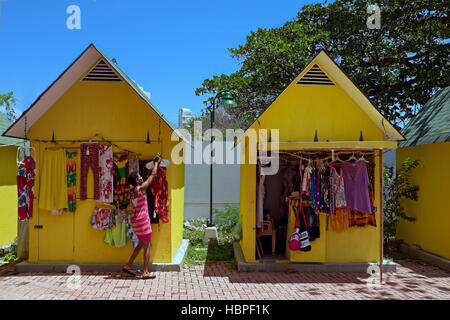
(140, 220)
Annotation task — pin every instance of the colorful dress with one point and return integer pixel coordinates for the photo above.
(338, 188)
(121, 188)
(25, 187)
(103, 218)
(71, 165)
(106, 167)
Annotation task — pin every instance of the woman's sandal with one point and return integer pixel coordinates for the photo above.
(148, 277)
(130, 272)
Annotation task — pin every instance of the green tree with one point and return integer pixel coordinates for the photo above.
(397, 186)
(7, 101)
(222, 121)
(399, 66)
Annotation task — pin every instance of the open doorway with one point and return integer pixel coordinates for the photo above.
(272, 193)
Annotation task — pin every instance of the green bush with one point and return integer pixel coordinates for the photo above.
(397, 186)
(9, 257)
(226, 221)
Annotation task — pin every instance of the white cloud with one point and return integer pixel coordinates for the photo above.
(147, 93)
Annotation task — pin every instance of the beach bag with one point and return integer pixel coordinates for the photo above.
(304, 236)
(300, 241)
(294, 241)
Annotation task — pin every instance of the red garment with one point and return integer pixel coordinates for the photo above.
(25, 187)
(161, 194)
(89, 159)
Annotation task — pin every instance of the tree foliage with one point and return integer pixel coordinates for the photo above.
(399, 66)
(7, 101)
(222, 121)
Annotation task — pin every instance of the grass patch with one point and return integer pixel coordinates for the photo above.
(200, 253)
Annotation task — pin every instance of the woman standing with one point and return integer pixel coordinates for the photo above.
(140, 220)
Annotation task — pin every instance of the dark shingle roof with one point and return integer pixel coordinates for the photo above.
(431, 124)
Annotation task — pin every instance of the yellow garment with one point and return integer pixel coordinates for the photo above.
(53, 184)
(339, 221)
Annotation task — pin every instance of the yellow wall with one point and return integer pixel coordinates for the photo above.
(248, 205)
(8, 195)
(431, 228)
(298, 112)
(116, 112)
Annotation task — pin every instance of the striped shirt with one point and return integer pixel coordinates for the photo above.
(140, 220)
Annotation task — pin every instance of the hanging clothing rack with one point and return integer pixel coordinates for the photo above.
(323, 158)
(97, 139)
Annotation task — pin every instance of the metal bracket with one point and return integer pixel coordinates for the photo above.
(38, 226)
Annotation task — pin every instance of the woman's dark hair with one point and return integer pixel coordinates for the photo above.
(132, 177)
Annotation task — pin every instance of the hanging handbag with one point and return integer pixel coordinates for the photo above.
(294, 241)
(304, 237)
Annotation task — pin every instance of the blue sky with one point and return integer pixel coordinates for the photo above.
(167, 47)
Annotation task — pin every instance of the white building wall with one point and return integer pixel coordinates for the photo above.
(226, 184)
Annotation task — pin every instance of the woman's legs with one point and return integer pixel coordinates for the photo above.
(133, 256)
(146, 246)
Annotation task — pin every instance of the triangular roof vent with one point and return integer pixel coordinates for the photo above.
(101, 72)
(315, 76)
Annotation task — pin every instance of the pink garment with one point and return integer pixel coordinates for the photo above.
(106, 167)
(140, 220)
(357, 186)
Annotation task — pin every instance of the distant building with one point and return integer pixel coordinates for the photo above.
(184, 115)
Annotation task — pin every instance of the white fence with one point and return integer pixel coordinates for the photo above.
(226, 183)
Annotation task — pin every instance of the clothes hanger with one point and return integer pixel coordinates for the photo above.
(362, 158)
(352, 157)
(164, 163)
(18, 161)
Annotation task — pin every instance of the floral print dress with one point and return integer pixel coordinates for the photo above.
(106, 167)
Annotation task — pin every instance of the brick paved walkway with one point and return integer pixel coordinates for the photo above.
(413, 280)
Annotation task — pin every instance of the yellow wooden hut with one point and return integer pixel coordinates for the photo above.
(93, 101)
(428, 140)
(321, 113)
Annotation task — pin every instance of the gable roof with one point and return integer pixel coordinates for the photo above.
(4, 124)
(87, 58)
(350, 87)
(431, 124)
